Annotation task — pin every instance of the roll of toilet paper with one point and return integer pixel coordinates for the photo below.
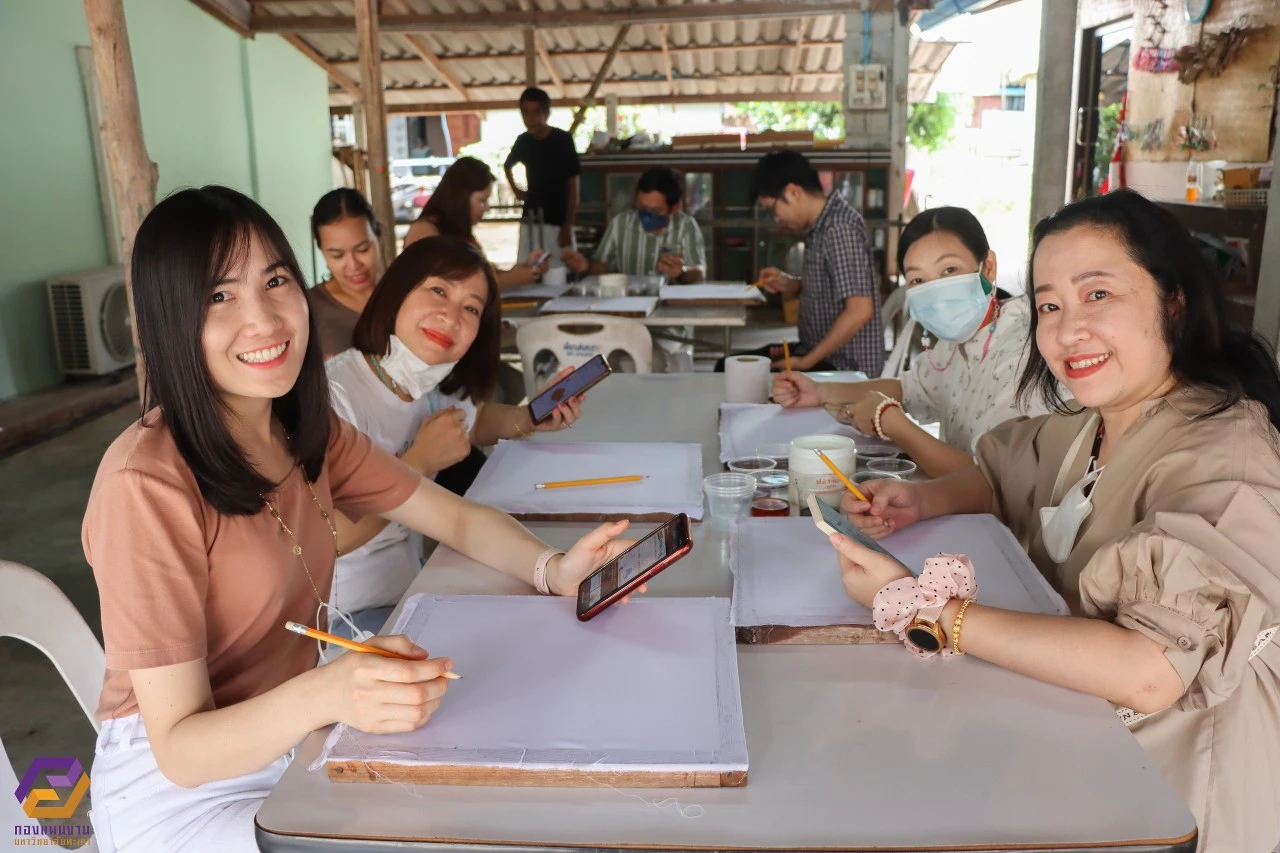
(746, 379)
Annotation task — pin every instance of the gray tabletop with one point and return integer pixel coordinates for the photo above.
(851, 747)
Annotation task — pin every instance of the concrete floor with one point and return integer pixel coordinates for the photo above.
(43, 493)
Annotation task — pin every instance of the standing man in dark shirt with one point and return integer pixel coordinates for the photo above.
(551, 170)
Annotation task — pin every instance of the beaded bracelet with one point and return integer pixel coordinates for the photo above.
(886, 403)
(955, 627)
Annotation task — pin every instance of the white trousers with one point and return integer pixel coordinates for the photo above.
(135, 808)
(545, 237)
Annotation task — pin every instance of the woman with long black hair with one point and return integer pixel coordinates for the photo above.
(210, 524)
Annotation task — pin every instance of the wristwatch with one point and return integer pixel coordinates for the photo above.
(925, 634)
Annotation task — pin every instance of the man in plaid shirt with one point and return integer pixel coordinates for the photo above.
(840, 324)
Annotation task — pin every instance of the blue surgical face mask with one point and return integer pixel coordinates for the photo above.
(651, 221)
(951, 308)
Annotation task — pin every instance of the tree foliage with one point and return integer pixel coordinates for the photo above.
(824, 118)
(930, 125)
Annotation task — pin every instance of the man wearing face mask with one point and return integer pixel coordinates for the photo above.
(657, 236)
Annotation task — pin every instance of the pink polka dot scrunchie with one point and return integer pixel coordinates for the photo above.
(945, 577)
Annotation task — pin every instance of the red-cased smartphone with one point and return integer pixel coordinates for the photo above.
(542, 406)
(615, 579)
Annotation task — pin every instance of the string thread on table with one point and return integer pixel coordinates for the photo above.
(688, 811)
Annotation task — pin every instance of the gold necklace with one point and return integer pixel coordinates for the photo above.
(297, 549)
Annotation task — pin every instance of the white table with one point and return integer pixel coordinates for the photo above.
(851, 747)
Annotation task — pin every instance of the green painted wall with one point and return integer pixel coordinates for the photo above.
(289, 99)
(50, 217)
(251, 114)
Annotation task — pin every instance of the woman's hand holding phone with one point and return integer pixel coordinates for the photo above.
(589, 553)
(566, 412)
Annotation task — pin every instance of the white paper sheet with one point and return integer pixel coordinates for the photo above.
(710, 292)
(642, 305)
(674, 481)
(653, 683)
(745, 427)
(786, 572)
(535, 291)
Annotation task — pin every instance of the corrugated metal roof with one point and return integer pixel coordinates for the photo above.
(725, 59)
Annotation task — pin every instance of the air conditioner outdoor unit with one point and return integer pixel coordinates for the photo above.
(91, 323)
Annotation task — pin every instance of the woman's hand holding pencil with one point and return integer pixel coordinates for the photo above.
(382, 695)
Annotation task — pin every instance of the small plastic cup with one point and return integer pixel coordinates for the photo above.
(770, 499)
(728, 497)
(756, 466)
(863, 477)
(780, 453)
(869, 452)
(900, 468)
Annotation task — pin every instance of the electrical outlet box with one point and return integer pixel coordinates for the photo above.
(866, 87)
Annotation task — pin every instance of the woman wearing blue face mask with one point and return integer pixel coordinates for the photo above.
(966, 379)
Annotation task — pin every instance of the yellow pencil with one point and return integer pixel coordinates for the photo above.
(786, 356)
(599, 481)
(351, 644)
(847, 482)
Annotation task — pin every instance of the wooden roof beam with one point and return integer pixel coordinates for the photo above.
(429, 56)
(674, 50)
(562, 18)
(346, 83)
(666, 59)
(626, 81)
(236, 14)
(600, 75)
(798, 52)
(430, 109)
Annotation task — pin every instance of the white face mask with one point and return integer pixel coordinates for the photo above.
(1060, 524)
(411, 373)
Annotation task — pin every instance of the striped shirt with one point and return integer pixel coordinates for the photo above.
(838, 265)
(627, 248)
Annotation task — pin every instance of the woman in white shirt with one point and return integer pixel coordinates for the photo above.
(967, 377)
(424, 360)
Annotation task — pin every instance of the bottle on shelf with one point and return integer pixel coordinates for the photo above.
(1193, 181)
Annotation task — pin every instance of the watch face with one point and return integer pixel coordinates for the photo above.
(924, 637)
(1197, 9)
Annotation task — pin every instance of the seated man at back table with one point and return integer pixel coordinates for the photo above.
(656, 236)
(840, 326)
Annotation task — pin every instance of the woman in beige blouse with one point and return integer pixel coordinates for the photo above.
(1174, 573)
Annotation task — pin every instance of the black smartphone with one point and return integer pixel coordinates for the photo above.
(542, 406)
(615, 579)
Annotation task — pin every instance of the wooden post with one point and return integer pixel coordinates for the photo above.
(530, 58)
(375, 123)
(133, 175)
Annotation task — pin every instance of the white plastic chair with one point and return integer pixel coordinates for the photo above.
(893, 308)
(547, 345)
(35, 611)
